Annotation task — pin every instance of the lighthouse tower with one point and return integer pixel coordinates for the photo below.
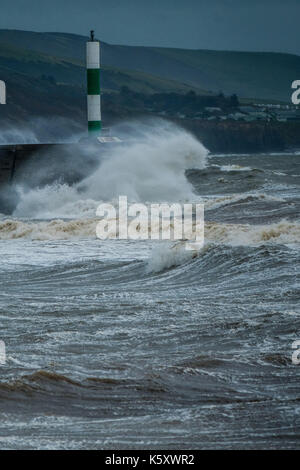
(93, 86)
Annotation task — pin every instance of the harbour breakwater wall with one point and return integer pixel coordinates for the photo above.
(33, 165)
(13, 157)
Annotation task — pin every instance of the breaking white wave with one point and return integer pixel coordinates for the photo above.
(151, 168)
(283, 232)
(166, 255)
(11, 229)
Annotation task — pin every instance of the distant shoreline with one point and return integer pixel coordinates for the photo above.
(240, 137)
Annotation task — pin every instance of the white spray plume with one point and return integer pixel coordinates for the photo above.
(41, 130)
(150, 166)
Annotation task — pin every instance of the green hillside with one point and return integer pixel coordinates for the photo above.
(249, 74)
(66, 71)
(266, 76)
(42, 84)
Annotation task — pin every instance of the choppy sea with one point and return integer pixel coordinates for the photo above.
(122, 344)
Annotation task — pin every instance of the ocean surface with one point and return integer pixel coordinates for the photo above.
(141, 344)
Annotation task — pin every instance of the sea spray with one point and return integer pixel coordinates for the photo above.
(40, 130)
(148, 168)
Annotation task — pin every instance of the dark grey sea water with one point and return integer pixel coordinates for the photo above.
(120, 345)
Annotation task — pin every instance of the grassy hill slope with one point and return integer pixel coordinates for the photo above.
(67, 71)
(249, 74)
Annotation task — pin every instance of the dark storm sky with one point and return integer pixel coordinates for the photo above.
(262, 25)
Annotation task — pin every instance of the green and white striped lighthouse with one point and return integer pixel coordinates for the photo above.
(93, 86)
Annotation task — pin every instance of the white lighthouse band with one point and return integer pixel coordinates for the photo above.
(93, 86)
